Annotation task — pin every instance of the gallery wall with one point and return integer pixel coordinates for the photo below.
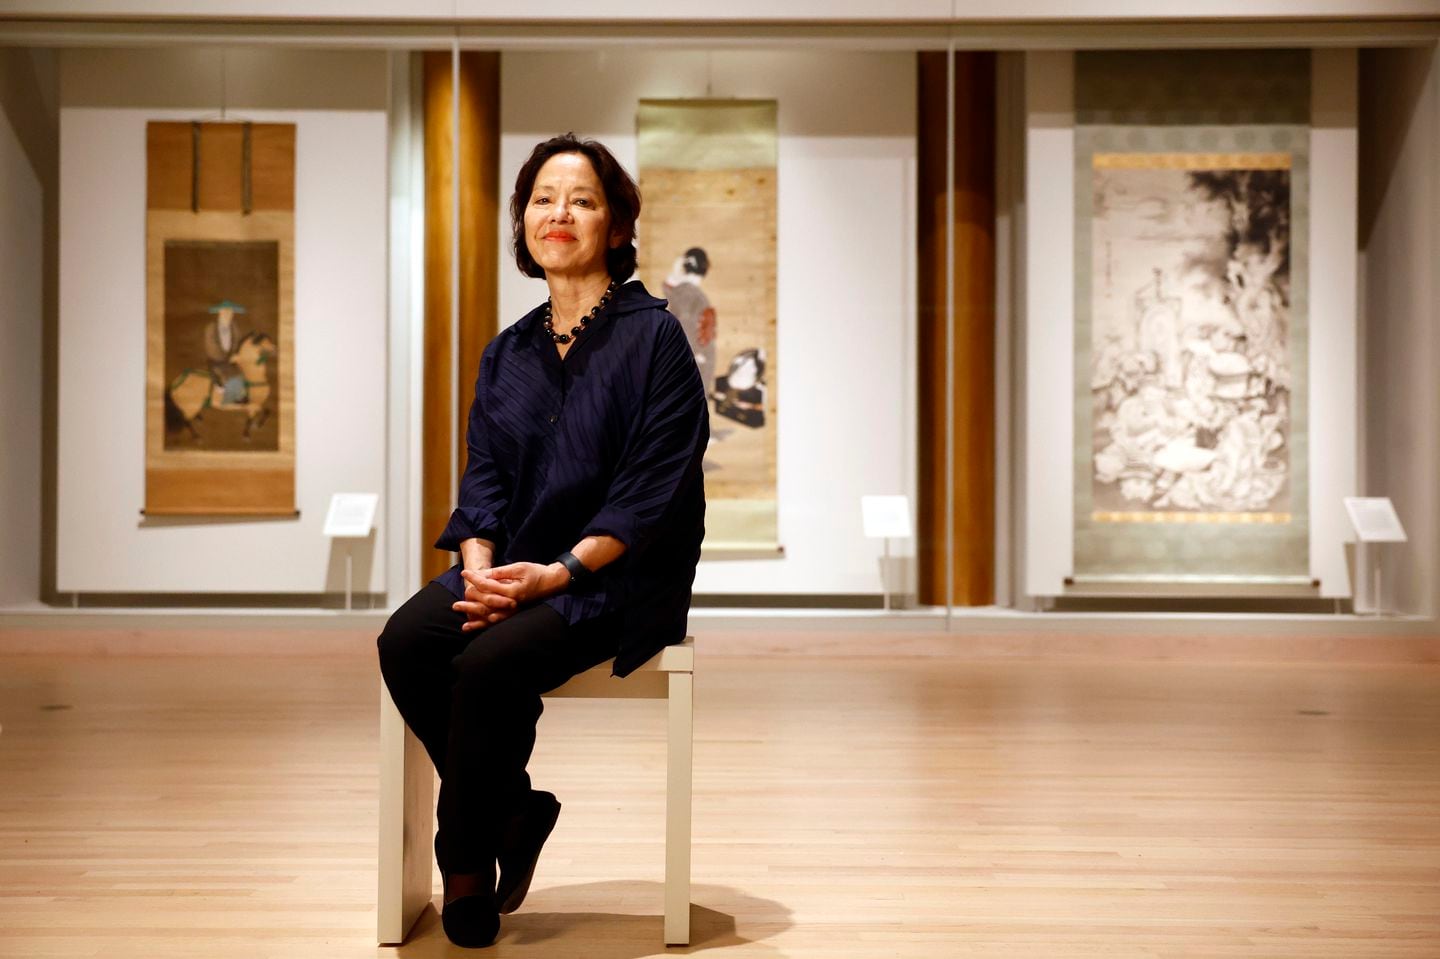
(337, 101)
(846, 306)
(1400, 310)
(1049, 387)
(22, 204)
(1048, 318)
(845, 271)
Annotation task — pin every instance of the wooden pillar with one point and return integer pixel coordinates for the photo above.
(478, 183)
(970, 422)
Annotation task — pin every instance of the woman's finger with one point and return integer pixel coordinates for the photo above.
(484, 609)
(479, 594)
(481, 581)
(510, 589)
(515, 572)
(487, 619)
(493, 594)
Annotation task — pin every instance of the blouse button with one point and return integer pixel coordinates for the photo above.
(554, 417)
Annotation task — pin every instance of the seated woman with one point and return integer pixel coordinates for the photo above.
(579, 524)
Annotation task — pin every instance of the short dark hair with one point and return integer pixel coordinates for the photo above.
(696, 261)
(622, 196)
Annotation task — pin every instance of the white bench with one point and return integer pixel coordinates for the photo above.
(407, 784)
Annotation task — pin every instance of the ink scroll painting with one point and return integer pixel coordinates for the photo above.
(220, 393)
(1191, 277)
(707, 245)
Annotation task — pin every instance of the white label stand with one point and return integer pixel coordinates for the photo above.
(1371, 554)
(1375, 522)
(884, 568)
(351, 516)
(1378, 602)
(885, 517)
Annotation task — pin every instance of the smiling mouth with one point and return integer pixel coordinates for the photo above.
(559, 236)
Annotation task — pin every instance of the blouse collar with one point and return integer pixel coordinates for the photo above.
(630, 297)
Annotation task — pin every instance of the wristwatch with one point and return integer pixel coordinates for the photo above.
(579, 572)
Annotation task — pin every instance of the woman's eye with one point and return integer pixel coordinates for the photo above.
(581, 201)
(541, 199)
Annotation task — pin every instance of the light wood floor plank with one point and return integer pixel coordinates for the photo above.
(844, 809)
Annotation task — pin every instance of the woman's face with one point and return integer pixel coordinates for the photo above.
(567, 223)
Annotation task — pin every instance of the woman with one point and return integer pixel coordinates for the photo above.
(579, 525)
(687, 300)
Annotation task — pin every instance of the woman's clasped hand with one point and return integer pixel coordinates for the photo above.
(494, 593)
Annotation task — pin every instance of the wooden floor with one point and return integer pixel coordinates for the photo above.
(928, 807)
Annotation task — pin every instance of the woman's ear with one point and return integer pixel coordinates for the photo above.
(617, 239)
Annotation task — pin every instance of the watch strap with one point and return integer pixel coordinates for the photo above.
(579, 572)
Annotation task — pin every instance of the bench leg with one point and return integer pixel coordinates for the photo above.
(677, 809)
(406, 827)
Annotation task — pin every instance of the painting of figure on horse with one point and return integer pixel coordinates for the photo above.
(221, 356)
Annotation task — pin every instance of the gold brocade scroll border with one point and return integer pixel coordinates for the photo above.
(1191, 161)
(1162, 516)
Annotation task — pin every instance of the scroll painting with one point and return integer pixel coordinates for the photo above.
(1190, 400)
(220, 226)
(707, 244)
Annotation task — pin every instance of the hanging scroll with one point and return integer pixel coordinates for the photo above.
(219, 391)
(707, 172)
(1192, 207)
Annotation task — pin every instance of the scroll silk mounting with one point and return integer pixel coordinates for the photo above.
(220, 319)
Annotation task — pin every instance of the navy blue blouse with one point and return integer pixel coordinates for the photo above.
(607, 441)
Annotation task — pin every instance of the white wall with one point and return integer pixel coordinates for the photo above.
(1334, 361)
(337, 101)
(1400, 244)
(1050, 320)
(21, 248)
(845, 271)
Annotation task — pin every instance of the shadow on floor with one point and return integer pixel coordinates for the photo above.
(538, 930)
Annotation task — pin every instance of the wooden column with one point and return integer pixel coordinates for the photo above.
(478, 183)
(971, 419)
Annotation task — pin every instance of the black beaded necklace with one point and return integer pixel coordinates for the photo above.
(575, 331)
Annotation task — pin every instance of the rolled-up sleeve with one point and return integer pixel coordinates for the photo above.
(484, 494)
(665, 449)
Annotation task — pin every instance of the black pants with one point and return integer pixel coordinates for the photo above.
(473, 699)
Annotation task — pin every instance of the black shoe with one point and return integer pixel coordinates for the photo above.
(471, 921)
(520, 848)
